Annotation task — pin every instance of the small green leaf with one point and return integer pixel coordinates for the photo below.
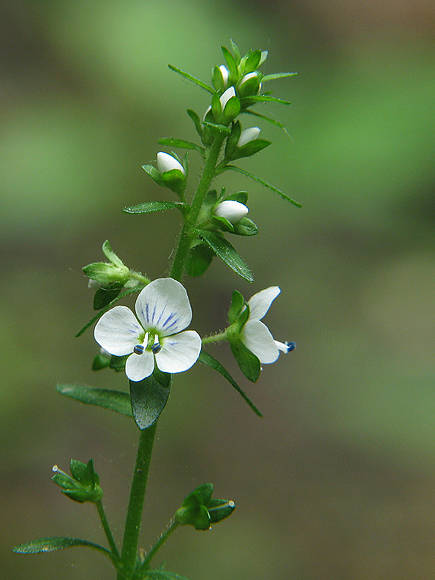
(148, 399)
(247, 361)
(237, 303)
(227, 254)
(44, 545)
(268, 119)
(105, 295)
(198, 260)
(236, 51)
(113, 400)
(191, 78)
(181, 144)
(246, 227)
(275, 76)
(206, 359)
(265, 183)
(250, 148)
(196, 121)
(231, 63)
(267, 99)
(153, 206)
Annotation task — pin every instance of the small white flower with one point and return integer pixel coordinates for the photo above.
(163, 310)
(232, 210)
(226, 96)
(248, 135)
(255, 335)
(166, 162)
(225, 74)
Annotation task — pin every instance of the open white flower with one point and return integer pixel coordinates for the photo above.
(163, 310)
(255, 335)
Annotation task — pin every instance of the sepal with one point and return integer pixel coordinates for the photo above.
(200, 510)
(82, 485)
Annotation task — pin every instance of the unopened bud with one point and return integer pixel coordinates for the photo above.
(231, 210)
(227, 95)
(248, 135)
(166, 162)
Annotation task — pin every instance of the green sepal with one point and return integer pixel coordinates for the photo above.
(117, 363)
(44, 545)
(110, 254)
(223, 224)
(153, 206)
(227, 253)
(83, 486)
(159, 574)
(152, 172)
(240, 196)
(191, 78)
(196, 121)
(248, 88)
(247, 361)
(231, 64)
(116, 401)
(231, 144)
(250, 148)
(232, 109)
(217, 79)
(275, 76)
(106, 294)
(219, 509)
(149, 398)
(264, 183)
(198, 260)
(175, 180)
(206, 359)
(236, 51)
(250, 62)
(245, 227)
(217, 127)
(84, 472)
(181, 144)
(101, 361)
(216, 108)
(237, 303)
(199, 496)
(106, 274)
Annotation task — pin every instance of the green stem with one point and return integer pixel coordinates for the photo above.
(107, 529)
(172, 526)
(188, 232)
(215, 337)
(140, 277)
(135, 506)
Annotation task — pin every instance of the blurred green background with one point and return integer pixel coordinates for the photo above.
(335, 482)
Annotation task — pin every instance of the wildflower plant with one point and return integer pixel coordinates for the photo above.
(154, 343)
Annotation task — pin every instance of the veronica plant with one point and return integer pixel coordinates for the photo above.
(153, 344)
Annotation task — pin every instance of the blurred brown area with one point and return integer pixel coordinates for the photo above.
(336, 482)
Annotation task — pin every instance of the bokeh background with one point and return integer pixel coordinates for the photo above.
(335, 482)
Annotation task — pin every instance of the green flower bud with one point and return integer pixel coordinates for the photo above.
(249, 85)
(82, 485)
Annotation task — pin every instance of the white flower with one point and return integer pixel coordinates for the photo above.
(163, 310)
(166, 162)
(255, 335)
(248, 135)
(226, 96)
(232, 210)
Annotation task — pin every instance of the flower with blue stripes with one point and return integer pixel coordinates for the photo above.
(156, 336)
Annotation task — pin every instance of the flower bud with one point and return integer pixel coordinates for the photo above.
(220, 77)
(82, 485)
(166, 162)
(249, 85)
(105, 274)
(248, 135)
(231, 210)
(227, 95)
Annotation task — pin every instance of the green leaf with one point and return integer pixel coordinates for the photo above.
(110, 254)
(250, 148)
(267, 99)
(251, 61)
(198, 260)
(217, 126)
(206, 359)
(44, 545)
(153, 206)
(103, 296)
(247, 361)
(106, 308)
(268, 119)
(152, 172)
(196, 121)
(181, 144)
(275, 76)
(237, 303)
(113, 400)
(265, 183)
(246, 227)
(232, 140)
(227, 253)
(148, 399)
(191, 78)
(163, 575)
(231, 63)
(236, 51)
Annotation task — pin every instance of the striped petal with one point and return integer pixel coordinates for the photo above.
(179, 352)
(139, 366)
(117, 331)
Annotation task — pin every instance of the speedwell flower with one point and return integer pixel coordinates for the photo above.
(255, 335)
(163, 310)
(248, 135)
(166, 162)
(231, 210)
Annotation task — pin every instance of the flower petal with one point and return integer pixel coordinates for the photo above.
(257, 338)
(117, 331)
(179, 352)
(139, 366)
(260, 303)
(164, 306)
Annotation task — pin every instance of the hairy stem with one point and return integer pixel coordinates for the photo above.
(218, 337)
(106, 528)
(135, 506)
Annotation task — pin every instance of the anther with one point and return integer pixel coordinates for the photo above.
(138, 349)
(290, 345)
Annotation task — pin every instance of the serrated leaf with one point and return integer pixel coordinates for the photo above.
(148, 399)
(106, 308)
(153, 206)
(44, 545)
(191, 78)
(275, 76)
(227, 253)
(247, 361)
(117, 401)
(267, 99)
(181, 144)
(206, 359)
(265, 183)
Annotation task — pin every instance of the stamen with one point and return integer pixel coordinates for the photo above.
(285, 346)
(138, 349)
(156, 346)
(290, 345)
